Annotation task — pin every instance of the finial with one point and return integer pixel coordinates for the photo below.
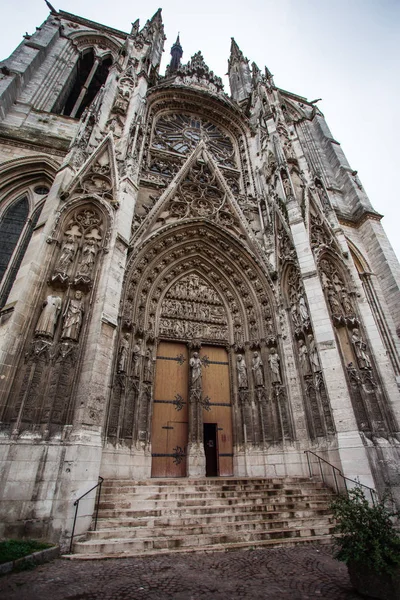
(52, 9)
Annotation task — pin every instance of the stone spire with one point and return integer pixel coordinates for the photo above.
(176, 53)
(239, 74)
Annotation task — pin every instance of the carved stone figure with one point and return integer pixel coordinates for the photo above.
(195, 365)
(287, 187)
(148, 367)
(315, 364)
(360, 349)
(242, 372)
(274, 365)
(136, 358)
(67, 256)
(48, 317)
(89, 252)
(305, 317)
(334, 304)
(123, 354)
(73, 316)
(257, 368)
(303, 358)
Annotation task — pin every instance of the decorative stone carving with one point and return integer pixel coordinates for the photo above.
(66, 260)
(195, 377)
(73, 316)
(274, 365)
(136, 358)
(313, 353)
(241, 372)
(48, 317)
(148, 370)
(257, 368)
(88, 260)
(123, 354)
(193, 309)
(303, 358)
(360, 349)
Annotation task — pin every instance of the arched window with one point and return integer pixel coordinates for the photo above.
(16, 228)
(89, 75)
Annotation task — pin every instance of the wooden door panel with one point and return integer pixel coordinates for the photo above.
(170, 411)
(216, 385)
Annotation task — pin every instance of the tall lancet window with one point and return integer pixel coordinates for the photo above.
(89, 75)
(16, 228)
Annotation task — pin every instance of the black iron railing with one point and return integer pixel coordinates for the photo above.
(338, 475)
(96, 508)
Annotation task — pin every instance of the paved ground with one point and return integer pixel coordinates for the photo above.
(300, 573)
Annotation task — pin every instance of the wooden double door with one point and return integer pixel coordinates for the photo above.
(170, 424)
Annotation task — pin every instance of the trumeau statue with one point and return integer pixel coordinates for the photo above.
(195, 365)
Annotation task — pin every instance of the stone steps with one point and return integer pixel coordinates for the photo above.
(160, 516)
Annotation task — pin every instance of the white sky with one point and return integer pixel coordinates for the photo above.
(346, 52)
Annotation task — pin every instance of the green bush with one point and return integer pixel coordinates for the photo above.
(13, 549)
(365, 534)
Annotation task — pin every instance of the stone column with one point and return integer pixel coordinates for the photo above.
(351, 451)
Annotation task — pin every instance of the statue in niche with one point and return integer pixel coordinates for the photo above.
(257, 368)
(287, 187)
(148, 367)
(73, 316)
(136, 358)
(89, 252)
(67, 256)
(360, 348)
(195, 365)
(334, 304)
(315, 364)
(346, 302)
(305, 317)
(48, 317)
(123, 354)
(303, 358)
(242, 372)
(274, 365)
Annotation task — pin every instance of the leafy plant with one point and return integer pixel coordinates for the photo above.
(365, 534)
(12, 549)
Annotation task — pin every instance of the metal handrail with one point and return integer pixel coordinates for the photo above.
(76, 503)
(374, 495)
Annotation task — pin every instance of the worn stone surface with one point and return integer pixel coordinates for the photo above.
(287, 574)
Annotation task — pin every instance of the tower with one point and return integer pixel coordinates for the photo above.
(181, 266)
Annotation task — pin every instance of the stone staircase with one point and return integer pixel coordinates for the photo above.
(183, 515)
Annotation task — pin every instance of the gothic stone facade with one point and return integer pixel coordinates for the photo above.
(192, 283)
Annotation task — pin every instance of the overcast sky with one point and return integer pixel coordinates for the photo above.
(346, 52)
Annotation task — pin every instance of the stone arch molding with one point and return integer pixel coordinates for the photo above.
(199, 250)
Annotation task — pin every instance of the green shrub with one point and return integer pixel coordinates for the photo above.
(13, 549)
(365, 534)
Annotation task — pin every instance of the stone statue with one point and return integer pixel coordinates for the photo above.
(360, 348)
(195, 365)
(89, 252)
(315, 364)
(274, 361)
(123, 354)
(48, 317)
(334, 304)
(257, 368)
(242, 372)
(73, 315)
(305, 317)
(148, 367)
(136, 358)
(303, 358)
(67, 256)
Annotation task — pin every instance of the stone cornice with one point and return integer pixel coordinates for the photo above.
(356, 222)
(92, 24)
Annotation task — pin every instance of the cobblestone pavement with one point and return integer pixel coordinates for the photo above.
(277, 574)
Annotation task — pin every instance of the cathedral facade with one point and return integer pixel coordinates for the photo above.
(192, 283)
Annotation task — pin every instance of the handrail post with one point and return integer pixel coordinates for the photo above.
(334, 476)
(309, 465)
(76, 503)
(97, 504)
(320, 468)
